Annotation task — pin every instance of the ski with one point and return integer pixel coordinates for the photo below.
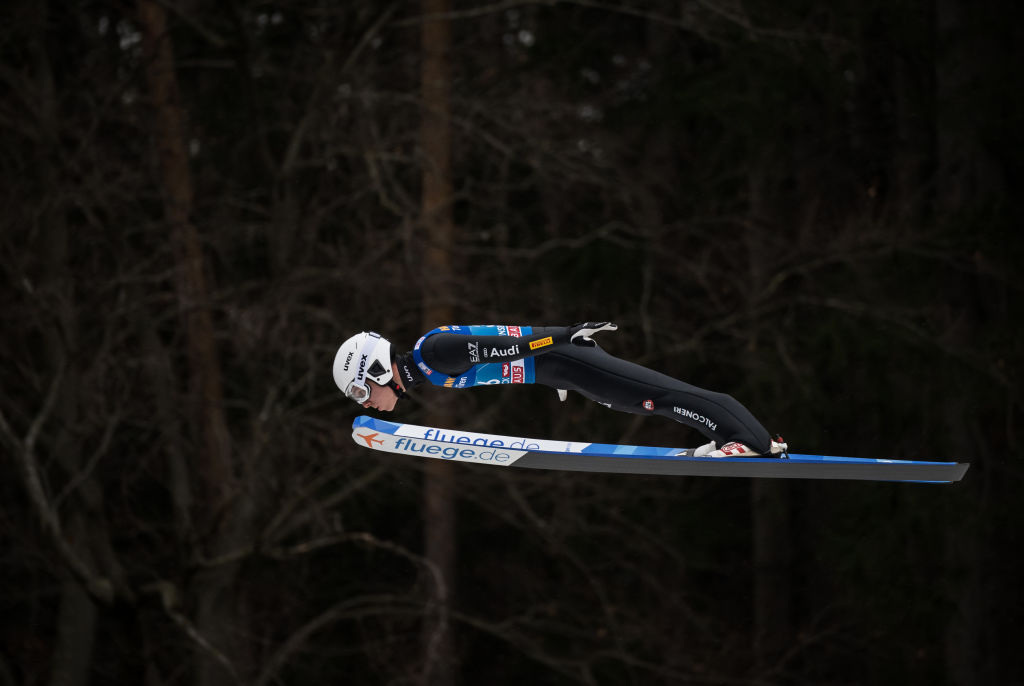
(536, 453)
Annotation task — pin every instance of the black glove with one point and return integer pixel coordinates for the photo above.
(580, 334)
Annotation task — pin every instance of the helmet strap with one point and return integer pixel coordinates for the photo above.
(397, 388)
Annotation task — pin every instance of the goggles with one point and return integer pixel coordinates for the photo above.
(358, 393)
(357, 389)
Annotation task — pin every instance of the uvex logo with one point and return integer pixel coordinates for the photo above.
(348, 360)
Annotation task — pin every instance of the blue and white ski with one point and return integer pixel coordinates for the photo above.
(536, 453)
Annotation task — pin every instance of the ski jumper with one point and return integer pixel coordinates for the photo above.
(467, 356)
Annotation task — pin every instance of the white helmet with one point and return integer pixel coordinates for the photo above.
(366, 355)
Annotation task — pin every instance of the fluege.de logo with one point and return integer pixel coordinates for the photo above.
(411, 446)
(460, 449)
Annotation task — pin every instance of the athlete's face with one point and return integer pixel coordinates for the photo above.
(381, 397)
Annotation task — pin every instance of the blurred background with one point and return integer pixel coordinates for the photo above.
(806, 205)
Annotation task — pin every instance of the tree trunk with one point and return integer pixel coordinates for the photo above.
(71, 662)
(772, 535)
(215, 600)
(772, 561)
(965, 173)
(438, 296)
(193, 291)
(72, 656)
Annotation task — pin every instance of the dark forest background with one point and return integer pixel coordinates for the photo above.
(808, 205)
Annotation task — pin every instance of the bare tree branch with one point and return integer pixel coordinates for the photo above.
(90, 465)
(351, 607)
(170, 601)
(23, 451)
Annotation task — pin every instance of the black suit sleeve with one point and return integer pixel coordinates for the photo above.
(452, 353)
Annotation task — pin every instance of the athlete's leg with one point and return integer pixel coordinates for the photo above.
(630, 387)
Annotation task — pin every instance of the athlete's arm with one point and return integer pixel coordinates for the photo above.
(453, 354)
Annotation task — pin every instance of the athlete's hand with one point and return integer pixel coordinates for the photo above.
(580, 334)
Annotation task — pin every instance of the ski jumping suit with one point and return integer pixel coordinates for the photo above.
(466, 356)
